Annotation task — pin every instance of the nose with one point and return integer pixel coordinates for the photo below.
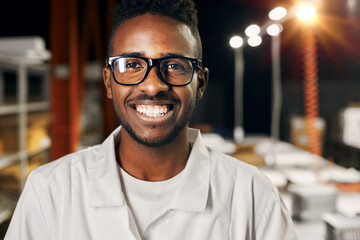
(152, 84)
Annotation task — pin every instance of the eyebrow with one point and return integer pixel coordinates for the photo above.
(140, 54)
(132, 54)
(173, 55)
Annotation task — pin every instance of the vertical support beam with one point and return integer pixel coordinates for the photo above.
(67, 85)
(66, 90)
(59, 97)
(22, 99)
(2, 90)
(311, 91)
(75, 89)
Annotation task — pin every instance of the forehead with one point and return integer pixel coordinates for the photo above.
(154, 36)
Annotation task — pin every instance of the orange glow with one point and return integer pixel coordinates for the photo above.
(306, 12)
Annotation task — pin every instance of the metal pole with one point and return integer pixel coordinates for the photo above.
(238, 95)
(2, 90)
(276, 93)
(277, 89)
(22, 98)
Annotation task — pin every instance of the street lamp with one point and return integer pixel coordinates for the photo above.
(277, 13)
(274, 29)
(306, 12)
(236, 42)
(252, 30)
(254, 41)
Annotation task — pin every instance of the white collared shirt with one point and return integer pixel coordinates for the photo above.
(79, 197)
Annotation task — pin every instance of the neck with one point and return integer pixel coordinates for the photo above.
(153, 163)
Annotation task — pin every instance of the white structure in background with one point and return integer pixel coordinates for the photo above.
(27, 48)
(22, 56)
(217, 142)
(351, 126)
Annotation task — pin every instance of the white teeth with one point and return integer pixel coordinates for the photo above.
(152, 110)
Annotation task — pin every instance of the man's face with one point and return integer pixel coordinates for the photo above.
(137, 107)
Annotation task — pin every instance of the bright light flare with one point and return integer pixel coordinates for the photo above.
(277, 13)
(254, 41)
(252, 30)
(306, 13)
(236, 42)
(274, 29)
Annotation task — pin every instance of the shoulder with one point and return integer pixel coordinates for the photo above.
(245, 184)
(252, 196)
(236, 169)
(64, 167)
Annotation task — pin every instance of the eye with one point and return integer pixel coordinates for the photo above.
(129, 64)
(173, 66)
(134, 64)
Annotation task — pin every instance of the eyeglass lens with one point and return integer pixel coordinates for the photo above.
(131, 70)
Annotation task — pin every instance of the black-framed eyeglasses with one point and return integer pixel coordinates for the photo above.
(174, 71)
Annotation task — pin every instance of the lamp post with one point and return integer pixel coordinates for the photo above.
(253, 32)
(236, 42)
(274, 30)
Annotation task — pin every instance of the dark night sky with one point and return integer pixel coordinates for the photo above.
(339, 54)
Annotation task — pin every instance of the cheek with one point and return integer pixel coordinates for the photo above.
(193, 89)
(118, 94)
(189, 93)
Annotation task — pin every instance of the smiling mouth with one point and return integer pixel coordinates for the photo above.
(153, 110)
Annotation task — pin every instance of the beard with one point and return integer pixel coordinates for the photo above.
(161, 141)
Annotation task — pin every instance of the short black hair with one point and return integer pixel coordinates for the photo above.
(183, 11)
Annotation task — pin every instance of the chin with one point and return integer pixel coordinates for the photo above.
(157, 141)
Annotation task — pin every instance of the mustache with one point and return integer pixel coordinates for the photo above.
(161, 96)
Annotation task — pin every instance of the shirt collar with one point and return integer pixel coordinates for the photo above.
(193, 190)
(105, 185)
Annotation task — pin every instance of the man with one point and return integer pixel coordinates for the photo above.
(152, 178)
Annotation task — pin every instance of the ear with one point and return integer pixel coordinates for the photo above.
(107, 81)
(203, 77)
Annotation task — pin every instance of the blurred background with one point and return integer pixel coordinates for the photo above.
(299, 86)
